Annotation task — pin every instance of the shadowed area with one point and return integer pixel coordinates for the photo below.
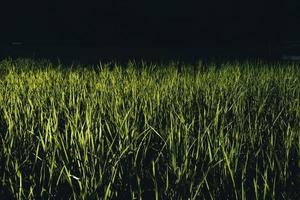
(132, 29)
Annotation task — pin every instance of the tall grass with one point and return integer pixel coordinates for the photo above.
(151, 131)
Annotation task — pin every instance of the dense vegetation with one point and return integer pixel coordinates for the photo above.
(149, 131)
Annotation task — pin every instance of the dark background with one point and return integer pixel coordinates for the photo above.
(140, 28)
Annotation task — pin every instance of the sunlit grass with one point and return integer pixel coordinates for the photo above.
(132, 132)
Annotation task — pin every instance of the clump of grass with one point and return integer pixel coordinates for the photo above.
(132, 132)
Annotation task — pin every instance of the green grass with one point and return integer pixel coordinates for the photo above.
(134, 132)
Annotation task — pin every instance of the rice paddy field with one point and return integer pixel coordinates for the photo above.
(149, 131)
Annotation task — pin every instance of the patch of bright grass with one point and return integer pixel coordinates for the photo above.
(132, 132)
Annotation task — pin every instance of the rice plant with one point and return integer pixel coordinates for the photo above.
(149, 131)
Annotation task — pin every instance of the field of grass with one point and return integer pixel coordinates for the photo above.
(145, 131)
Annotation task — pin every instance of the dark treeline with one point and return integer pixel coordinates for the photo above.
(228, 26)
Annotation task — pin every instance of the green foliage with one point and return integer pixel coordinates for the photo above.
(140, 131)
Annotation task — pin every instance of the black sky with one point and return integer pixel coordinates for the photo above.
(150, 23)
